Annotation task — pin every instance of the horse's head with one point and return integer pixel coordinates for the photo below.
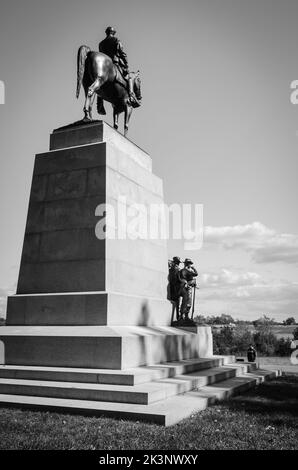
(137, 85)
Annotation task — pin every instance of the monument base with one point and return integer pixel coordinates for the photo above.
(102, 347)
(88, 329)
(163, 393)
(87, 308)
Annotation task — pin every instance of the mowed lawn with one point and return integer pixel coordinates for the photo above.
(264, 418)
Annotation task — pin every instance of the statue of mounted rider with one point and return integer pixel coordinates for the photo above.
(182, 285)
(106, 74)
(112, 47)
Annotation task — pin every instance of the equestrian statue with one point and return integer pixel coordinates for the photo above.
(106, 74)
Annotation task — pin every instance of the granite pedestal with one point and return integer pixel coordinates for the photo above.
(89, 327)
(84, 301)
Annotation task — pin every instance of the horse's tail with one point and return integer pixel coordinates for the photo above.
(82, 55)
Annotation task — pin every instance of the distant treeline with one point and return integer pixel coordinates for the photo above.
(236, 337)
(225, 319)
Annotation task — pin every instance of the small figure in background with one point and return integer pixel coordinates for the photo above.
(174, 286)
(251, 354)
(187, 276)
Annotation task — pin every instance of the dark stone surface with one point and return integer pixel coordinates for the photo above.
(63, 214)
(68, 184)
(62, 276)
(76, 124)
(78, 133)
(68, 309)
(63, 351)
(61, 251)
(87, 156)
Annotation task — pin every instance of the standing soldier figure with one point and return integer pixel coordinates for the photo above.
(187, 275)
(174, 286)
(112, 47)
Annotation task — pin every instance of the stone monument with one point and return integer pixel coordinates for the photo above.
(81, 301)
(89, 327)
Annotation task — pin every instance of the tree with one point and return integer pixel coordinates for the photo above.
(264, 324)
(265, 342)
(289, 321)
(222, 319)
(283, 347)
(223, 340)
(200, 320)
(243, 337)
(226, 319)
(227, 340)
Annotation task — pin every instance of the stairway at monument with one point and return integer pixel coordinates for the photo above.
(89, 328)
(162, 393)
(146, 388)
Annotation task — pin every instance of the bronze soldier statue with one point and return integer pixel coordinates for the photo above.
(112, 47)
(187, 276)
(174, 286)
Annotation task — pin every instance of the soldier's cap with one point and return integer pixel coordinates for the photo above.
(188, 261)
(110, 29)
(176, 259)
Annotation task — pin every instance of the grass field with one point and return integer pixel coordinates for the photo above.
(276, 362)
(264, 418)
(281, 331)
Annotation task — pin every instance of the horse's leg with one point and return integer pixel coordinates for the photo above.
(91, 102)
(87, 116)
(115, 116)
(90, 95)
(88, 105)
(128, 111)
(95, 86)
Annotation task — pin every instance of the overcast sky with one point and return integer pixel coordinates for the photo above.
(216, 119)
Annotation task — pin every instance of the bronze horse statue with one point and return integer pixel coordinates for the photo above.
(99, 76)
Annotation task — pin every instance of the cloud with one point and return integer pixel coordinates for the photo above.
(229, 278)
(269, 292)
(264, 244)
(230, 286)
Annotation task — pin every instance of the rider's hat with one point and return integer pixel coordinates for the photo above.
(176, 259)
(188, 261)
(110, 29)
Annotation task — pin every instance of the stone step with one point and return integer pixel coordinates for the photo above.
(63, 139)
(110, 376)
(101, 347)
(166, 412)
(222, 390)
(145, 393)
(84, 308)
